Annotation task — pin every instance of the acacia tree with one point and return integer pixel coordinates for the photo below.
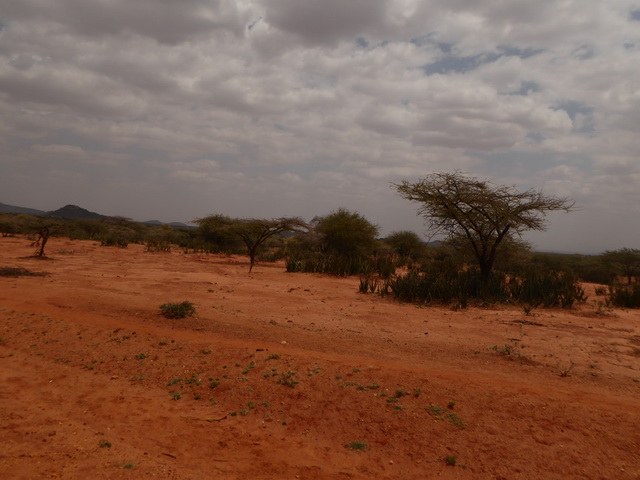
(252, 231)
(626, 260)
(480, 213)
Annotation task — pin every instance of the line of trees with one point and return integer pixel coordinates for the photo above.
(482, 254)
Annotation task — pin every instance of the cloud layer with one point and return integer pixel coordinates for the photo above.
(175, 110)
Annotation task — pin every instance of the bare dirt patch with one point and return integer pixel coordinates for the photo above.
(298, 376)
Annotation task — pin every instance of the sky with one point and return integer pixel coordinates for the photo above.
(175, 110)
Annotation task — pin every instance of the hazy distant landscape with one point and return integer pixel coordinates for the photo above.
(310, 240)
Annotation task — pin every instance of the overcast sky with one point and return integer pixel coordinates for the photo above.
(173, 110)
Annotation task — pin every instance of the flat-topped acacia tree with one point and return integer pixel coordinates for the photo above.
(626, 260)
(478, 213)
(252, 231)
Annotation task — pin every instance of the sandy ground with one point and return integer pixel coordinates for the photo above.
(297, 376)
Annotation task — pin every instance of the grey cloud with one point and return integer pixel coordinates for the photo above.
(526, 87)
(326, 22)
(166, 21)
(67, 92)
(227, 102)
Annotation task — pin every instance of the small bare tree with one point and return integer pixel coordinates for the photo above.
(43, 230)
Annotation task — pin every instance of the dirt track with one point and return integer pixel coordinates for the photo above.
(98, 385)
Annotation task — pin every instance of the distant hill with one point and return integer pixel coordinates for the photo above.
(153, 223)
(73, 212)
(4, 208)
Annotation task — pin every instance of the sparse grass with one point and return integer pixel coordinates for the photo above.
(451, 460)
(178, 310)
(349, 384)
(129, 466)
(441, 414)
(509, 350)
(91, 365)
(455, 420)
(175, 396)
(104, 444)
(174, 381)
(273, 356)
(564, 372)
(357, 446)
(248, 368)
(142, 356)
(288, 379)
(436, 410)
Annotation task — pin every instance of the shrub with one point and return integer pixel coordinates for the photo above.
(357, 446)
(114, 240)
(443, 282)
(547, 288)
(625, 296)
(157, 246)
(339, 265)
(178, 310)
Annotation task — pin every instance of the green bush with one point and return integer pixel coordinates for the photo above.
(443, 282)
(448, 286)
(547, 288)
(346, 233)
(114, 240)
(178, 310)
(625, 296)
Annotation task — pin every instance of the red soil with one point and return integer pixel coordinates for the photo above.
(87, 361)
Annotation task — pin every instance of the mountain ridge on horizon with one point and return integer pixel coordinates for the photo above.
(73, 212)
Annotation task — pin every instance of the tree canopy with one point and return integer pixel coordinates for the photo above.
(253, 232)
(626, 260)
(406, 244)
(346, 233)
(478, 212)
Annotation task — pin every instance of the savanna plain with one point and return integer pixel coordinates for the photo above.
(298, 376)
